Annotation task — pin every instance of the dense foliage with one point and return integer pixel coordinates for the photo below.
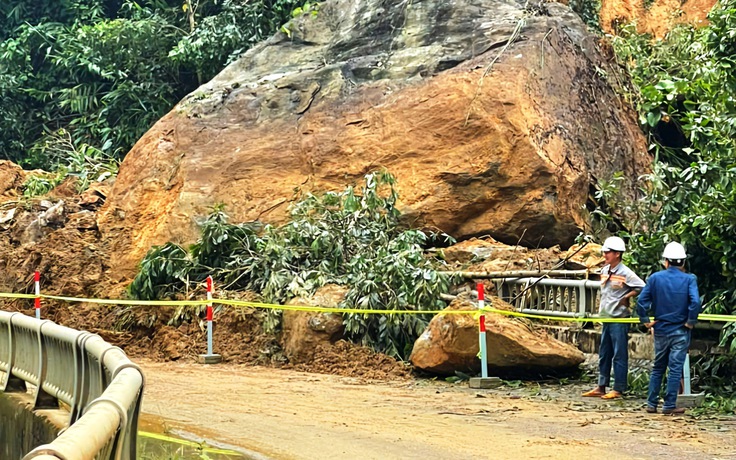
(351, 238)
(685, 93)
(104, 71)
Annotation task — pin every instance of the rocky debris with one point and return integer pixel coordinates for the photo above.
(488, 255)
(473, 249)
(95, 195)
(304, 332)
(12, 177)
(482, 142)
(450, 344)
(83, 220)
(584, 257)
(58, 239)
(172, 343)
(351, 360)
(7, 216)
(37, 229)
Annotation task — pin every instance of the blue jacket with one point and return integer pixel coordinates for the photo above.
(672, 296)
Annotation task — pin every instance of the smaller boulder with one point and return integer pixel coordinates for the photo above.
(472, 249)
(304, 331)
(450, 343)
(580, 257)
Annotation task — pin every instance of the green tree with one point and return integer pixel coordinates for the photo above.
(105, 70)
(685, 92)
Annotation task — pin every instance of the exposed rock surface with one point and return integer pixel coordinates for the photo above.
(450, 343)
(655, 17)
(486, 136)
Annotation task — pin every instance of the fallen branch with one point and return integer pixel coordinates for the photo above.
(516, 274)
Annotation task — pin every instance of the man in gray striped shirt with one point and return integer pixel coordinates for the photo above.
(618, 284)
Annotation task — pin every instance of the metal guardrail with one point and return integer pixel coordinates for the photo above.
(100, 386)
(551, 297)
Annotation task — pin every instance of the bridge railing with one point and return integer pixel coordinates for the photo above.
(551, 297)
(99, 385)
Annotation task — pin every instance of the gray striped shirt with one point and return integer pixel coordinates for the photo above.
(615, 284)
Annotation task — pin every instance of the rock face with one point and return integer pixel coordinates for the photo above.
(494, 120)
(655, 17)
(450, 343)
(303, 332)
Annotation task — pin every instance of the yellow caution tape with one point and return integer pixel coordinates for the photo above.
(361, 311)
(17, 296)
(185, 442)
(366, 311)
(174, 303)
(722, 318)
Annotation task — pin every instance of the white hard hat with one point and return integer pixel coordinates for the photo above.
(613, 243)
(674, 251)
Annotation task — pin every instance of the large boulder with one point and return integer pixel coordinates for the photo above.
(450, 343)
(494, 118)
(303, 332)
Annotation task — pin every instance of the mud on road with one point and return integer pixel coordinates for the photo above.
(287, 414)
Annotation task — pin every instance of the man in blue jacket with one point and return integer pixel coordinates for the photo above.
(672, 296)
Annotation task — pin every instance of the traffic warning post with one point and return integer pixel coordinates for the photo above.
(483, 381)
(210, 357)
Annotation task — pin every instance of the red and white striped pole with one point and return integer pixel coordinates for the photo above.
(37, 301)
(210, 288)
(482, 332)
(210, 357)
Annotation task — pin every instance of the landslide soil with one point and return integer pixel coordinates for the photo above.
(238, 337)
(286, 414)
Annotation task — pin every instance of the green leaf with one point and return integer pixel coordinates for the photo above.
(653, 118)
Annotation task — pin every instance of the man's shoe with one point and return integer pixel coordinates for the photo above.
(594, 393)
(676, 411)
(651, 410)
(612, 395)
